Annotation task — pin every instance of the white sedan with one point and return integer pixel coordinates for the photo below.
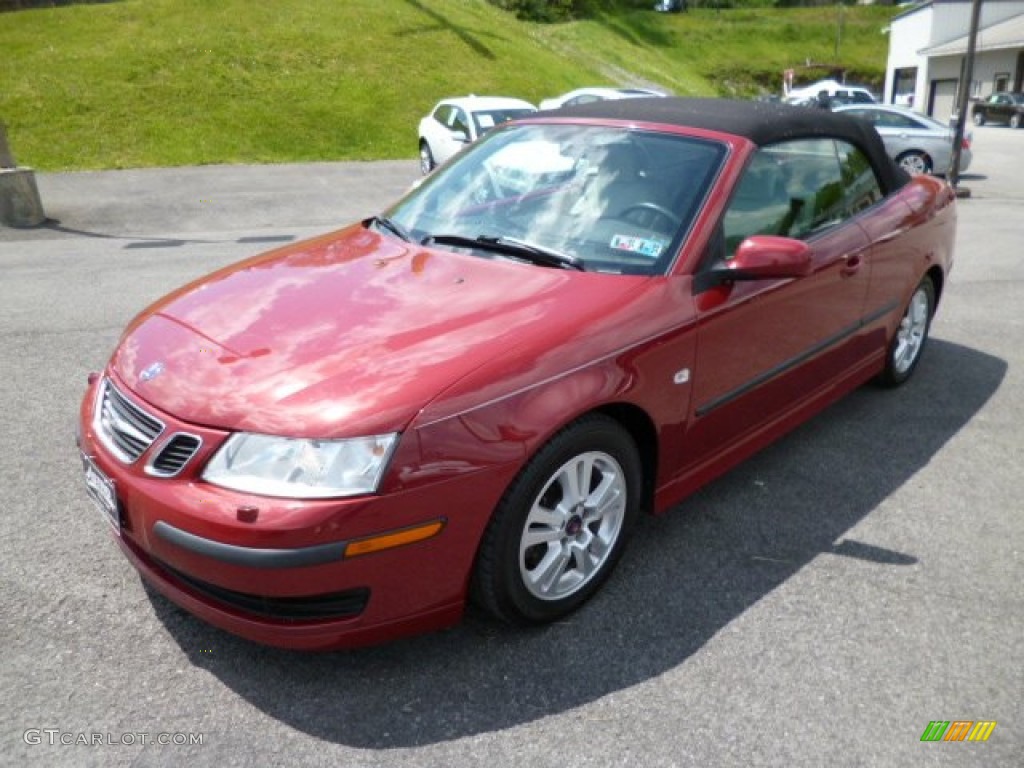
(587, 95)
(454, 123)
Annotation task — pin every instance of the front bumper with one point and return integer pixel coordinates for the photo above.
(280, 571)
(296, 633)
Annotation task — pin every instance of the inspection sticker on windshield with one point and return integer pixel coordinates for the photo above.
(642, 245)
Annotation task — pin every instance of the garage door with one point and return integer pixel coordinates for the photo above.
(943, 101)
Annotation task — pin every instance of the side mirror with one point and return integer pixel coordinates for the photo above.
(759, 257)
(767, 257)
(460, 136)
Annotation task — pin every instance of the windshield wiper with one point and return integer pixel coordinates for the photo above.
(510, 246)
(392, 226)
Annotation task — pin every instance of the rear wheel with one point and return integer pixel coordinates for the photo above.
(979, 118)
(915, 162)
(561, 526)
(1015, 120)
(910, 337)
(426, 158)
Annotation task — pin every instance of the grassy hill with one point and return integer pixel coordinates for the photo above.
(179, 82)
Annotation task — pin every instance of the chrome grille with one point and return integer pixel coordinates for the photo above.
(174, 454)
(124, 427)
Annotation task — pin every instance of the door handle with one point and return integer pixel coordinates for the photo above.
(852, 265)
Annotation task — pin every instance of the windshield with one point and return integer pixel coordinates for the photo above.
(604, 199)
(487, 119)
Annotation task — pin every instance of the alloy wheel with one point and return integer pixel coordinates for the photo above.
(572, 526)
(912, 331)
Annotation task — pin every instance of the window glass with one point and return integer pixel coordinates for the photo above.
(862, 187)
(761, 202)
(871, 115)
(798, 189)
(815, 186)
(443, 114)
(485, 120)
(458, 122)
(620, 200)
(894, 120)
(793, 189)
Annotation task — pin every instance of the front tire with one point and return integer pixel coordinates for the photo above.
(979, 118)
(908, 342)
(427, 163)
(1015, 120)
(561, 526)
(915, 163)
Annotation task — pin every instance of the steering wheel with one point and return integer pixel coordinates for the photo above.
(485, 193)
(647, 214)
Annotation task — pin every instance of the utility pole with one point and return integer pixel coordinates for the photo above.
(839, 29)
(964, 94)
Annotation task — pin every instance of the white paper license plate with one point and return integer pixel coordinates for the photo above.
(101, 491)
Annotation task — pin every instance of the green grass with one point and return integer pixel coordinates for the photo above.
(184, 82)
(739, 52)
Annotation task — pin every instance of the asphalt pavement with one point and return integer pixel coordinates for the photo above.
(819, 605)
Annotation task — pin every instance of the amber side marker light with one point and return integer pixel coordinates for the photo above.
(382, 541)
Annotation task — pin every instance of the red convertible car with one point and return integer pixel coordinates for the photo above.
(475, 394)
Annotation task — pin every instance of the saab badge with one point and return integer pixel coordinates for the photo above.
(151, 372)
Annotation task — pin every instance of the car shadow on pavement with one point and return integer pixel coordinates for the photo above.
(686, 576)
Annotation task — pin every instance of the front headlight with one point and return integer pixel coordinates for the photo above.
(300, 468)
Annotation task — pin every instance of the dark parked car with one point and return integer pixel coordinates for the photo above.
(583, 317)
(1001, 108)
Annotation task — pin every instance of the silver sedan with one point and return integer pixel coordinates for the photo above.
(915, 141)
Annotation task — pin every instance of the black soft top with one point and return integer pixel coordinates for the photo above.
(760, 122)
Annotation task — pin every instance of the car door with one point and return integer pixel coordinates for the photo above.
(764, 347)
(908, 134)
(887, 125)
(436, 128)
(1001, 108)
(985, 108)
(902, 134)
(454, 134)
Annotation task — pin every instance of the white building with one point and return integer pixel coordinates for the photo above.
(928, 46)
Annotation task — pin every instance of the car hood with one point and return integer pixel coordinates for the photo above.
(352, 333)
